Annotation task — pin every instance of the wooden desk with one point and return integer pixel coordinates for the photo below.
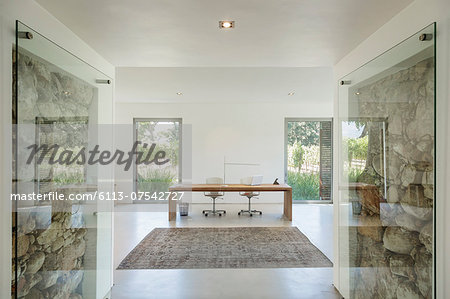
(231, 188)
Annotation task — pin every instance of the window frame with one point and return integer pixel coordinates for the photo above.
(180, 160)
(306, 119)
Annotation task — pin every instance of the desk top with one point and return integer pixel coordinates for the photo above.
(229, 187)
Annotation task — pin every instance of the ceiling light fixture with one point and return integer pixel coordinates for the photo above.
(357, 93)
(179, 93)
(291, 93)
(226, 24)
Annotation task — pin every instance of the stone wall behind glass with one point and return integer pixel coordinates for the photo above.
(51, 244)
(394, 236)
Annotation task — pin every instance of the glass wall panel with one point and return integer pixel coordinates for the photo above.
(386, 173)
(61, 248)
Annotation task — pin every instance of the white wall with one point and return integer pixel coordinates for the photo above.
(241, 132)
(416, 16)
(30, 13)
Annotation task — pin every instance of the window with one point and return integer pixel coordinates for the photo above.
(357, 134)
(165, 135)
(69, 134)
(309, 159)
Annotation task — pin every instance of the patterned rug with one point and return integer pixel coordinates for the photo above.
(236, 247)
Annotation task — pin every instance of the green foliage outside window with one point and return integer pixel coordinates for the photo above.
(297, 155)
(304, 132)
(305, 186)
(156, 180)
(357, 147)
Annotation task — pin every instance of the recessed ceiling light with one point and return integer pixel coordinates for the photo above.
(179, 93)
(226, 24)
(357, 93)
(291, 93)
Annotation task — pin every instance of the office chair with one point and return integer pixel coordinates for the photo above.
(214, 196)
(249, 195)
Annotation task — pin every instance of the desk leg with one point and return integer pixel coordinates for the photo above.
(288, 204)
(172, 207)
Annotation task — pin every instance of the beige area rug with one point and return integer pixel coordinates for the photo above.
(233, 247)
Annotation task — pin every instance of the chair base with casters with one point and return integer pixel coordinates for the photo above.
(213, 211)
(249, 195)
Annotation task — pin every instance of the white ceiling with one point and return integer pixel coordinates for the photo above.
(224, 85)
(168, 33)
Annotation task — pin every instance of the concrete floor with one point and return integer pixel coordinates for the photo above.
(134, 222)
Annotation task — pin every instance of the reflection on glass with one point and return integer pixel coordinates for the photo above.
(70, 134)
(386, 191)
(60, 248)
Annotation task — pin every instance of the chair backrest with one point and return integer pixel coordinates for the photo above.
(252, 180)
(246, 181)
(249, 193)
(214, 180)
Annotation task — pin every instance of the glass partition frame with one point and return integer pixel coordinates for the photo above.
(39, 68)
(392, 65)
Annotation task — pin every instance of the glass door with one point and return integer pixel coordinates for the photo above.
(386, 173)
(62, 233)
